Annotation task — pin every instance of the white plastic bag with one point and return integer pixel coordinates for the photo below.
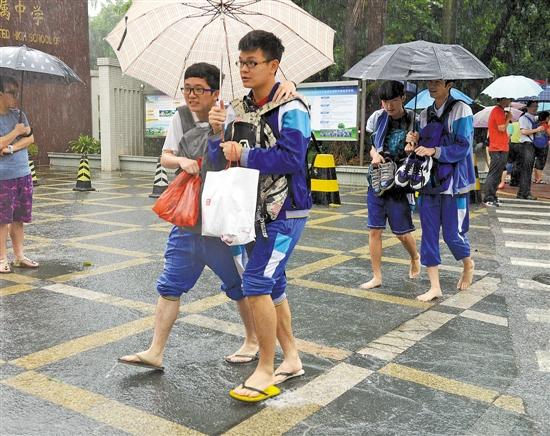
(229, 205)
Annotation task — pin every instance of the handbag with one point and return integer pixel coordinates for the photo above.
(228, 204)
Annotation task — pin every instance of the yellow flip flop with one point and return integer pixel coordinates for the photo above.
(271, 391)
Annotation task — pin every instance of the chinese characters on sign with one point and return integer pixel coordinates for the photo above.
(37, 15)
(25, 10)
(5, 10)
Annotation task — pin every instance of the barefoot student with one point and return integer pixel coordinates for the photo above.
(187, 251)
(446, 134)
(387, 202)
(284, 204)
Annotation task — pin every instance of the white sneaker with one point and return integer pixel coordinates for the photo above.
(420, 175)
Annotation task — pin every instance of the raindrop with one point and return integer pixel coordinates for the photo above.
(33, 66)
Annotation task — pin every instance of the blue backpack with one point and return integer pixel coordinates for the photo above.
(540, 139)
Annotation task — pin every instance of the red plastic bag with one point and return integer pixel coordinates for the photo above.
(180, 203)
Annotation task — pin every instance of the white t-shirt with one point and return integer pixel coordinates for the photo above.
(524, 123)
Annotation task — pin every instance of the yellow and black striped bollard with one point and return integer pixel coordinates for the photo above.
(160, 183)
(35, 181)
(324, 184)
(84, 177)
(475, 194)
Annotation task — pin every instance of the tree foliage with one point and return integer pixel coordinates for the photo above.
(508, 35)
(100, 26)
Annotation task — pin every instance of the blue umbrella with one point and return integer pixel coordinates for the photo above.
(423, 99)
(543, 96)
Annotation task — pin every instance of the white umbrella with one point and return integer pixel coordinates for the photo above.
(512, 87)
(481, 118)
(158, 39)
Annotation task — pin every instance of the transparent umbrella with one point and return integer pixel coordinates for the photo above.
(34, 64)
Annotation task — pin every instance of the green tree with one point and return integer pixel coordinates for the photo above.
(100, 26)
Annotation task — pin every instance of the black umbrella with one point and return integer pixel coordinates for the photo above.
(34, 64)
(419, 60)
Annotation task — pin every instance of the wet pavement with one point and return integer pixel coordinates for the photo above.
(376, 362)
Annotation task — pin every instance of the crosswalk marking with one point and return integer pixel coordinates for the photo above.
(533, 285)
(523, 221)
(538, 315)
(524, 232)
(518, 201)
(522, 212)
(529, 206)
(527, 245)
(521, 261)
(543, 358)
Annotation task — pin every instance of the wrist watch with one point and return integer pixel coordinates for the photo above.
(10, 149)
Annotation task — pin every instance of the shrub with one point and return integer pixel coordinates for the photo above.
(85, 145)
(32, 150)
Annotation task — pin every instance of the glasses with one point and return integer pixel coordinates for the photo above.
(197, 90)
(250, 64)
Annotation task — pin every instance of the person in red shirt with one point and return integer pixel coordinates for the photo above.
(498, 149)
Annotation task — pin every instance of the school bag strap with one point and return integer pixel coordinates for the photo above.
(186, 118)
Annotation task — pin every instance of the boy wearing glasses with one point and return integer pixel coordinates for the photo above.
(282, 158)
(187, 251)
(15, 176)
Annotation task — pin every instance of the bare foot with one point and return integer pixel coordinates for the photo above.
(430, 295)
(258, 380)
(288, 366)
(372, 283)
(144, 357)
(467, 276)
(414, 270)
(247, 353)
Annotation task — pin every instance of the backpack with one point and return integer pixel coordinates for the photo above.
(540, 139)
(431, 136)
(250, 129)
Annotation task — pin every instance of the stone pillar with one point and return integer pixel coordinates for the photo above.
(121, 114)
(94, 85)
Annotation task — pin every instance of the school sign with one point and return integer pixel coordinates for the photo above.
(60, 28)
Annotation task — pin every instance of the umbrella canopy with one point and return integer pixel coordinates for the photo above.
(543, 96)
(423, 99)
(512, 87)
(36, 64)
(157, 40)
(419, 60)
(481, 118)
